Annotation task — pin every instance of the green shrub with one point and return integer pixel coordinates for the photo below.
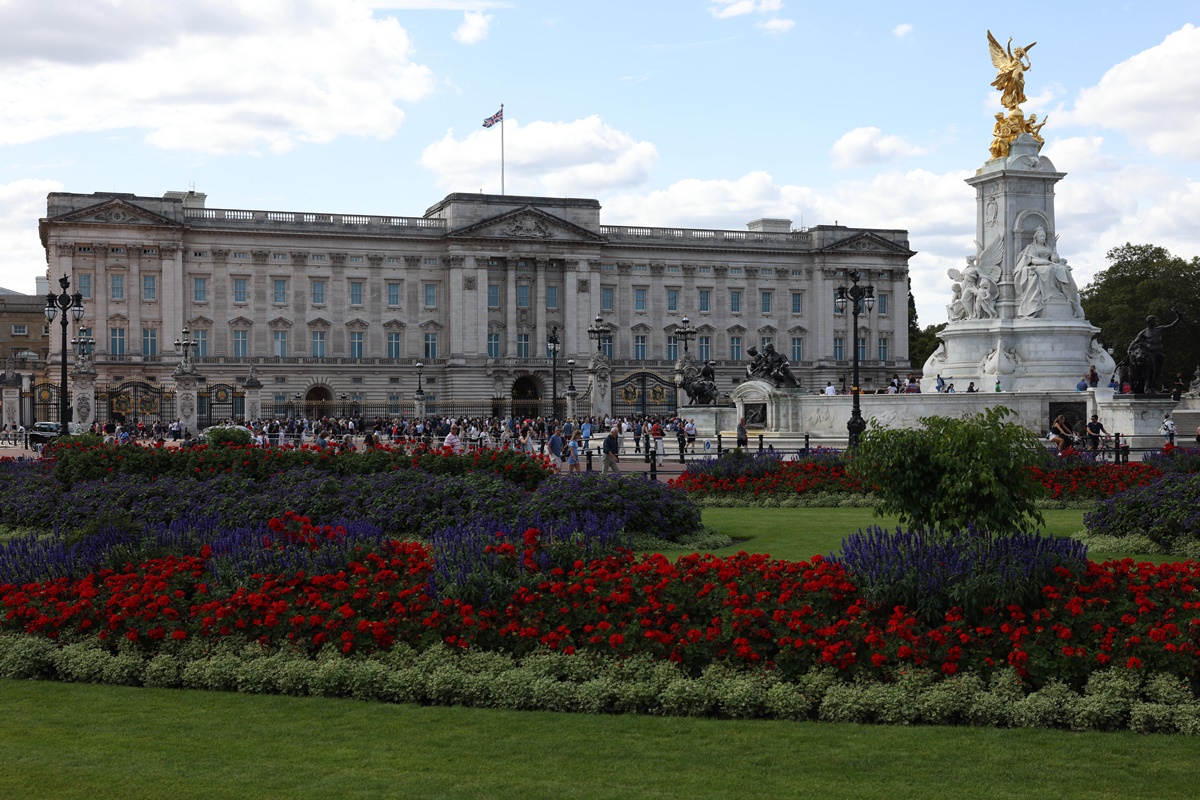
(164, 671)
(25, 657)
(952, 473)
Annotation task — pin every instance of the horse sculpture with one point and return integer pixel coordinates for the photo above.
(700, 384)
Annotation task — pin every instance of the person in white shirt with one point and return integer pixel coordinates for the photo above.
(829, 389)
(452, 442)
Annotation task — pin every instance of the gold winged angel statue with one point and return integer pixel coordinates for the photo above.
(1011, 65)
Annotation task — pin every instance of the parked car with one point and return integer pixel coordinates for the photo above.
(43, 432)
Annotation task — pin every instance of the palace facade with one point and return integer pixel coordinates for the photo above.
(340, 308)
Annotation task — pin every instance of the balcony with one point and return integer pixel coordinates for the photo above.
(325, 223)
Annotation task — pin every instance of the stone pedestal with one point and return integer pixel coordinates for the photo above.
(572, 403)
(419, 405)
(185, 403)
(10, 405)
(83, 393)
(600, 372)
(1014, 316)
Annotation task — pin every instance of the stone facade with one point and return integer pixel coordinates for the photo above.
(332, 305)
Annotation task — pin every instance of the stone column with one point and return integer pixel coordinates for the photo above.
(600, 372)
(539, 311)
(419, 405)
(10, 405)
(510, 305)
(83, 393)
(253, 389)
(185, 401)
(572, 404)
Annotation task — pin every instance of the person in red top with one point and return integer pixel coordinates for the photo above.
(656, 433)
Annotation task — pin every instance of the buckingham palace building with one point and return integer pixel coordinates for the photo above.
(338, 312)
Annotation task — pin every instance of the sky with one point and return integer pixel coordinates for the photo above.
(689, 113)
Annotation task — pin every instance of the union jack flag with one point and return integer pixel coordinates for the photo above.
(494, 118)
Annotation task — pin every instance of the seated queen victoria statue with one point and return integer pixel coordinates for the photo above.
(1042, 278)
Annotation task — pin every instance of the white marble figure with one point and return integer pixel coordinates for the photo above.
(1041, 275)
(976, 289)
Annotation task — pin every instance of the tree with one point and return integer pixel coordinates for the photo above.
(952, 473)
(921, 343)
(1143, 280)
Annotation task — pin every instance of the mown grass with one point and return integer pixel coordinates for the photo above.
(82, 741)
(801, 533)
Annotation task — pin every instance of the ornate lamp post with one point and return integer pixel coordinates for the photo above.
(420, 391)
(64, 302)
(858, 295)
(553, 343)
(185, 345)
(570, 374)
(84, 345)
(686, 333)
(597, 331)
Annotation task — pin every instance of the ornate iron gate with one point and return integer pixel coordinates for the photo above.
(45, 403)
(219, 401)
(133, 402)
(644, 393)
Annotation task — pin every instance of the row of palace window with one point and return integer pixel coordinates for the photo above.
(704, 300)
(241, 290)
(279, 291)
(279, 345)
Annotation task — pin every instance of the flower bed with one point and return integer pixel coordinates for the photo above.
(81, 462)
(771, 477)
(744, 610)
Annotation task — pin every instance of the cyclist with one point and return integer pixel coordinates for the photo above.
(1094, 429)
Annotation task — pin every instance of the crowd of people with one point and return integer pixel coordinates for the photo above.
(566, 441)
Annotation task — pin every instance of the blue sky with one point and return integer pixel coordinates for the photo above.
(702, 113)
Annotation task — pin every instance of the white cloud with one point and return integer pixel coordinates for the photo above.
(473, 29)
(863, 146)
(776, 25)
(724, 9)
(1153, 97)
(22, 203)
(902, 30)
(559, 159)
(436, 5)
(229, 76)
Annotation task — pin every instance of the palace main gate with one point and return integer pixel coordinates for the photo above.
(644, 393)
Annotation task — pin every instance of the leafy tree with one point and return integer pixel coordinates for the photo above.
(921, 343)
(952, 473)
(1141, 280)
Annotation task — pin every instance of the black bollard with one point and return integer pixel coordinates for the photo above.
(806, 444)
(589, 459)
(760, 440)
(682, 448)
(653, 469)
(719, 447)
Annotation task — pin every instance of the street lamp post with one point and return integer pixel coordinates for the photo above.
(859, 296)
(552, 344)
(185, 344)
(686, 333)
(420, 369)
(570, 374)
(84, 345)
(597, 331)
(64, 302)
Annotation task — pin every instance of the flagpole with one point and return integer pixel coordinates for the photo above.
(502, 148)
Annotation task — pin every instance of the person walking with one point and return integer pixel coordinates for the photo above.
(1167, 429)
(743, 437)
(660, 450)
(555, 446)
(573, 452)
(612, 451)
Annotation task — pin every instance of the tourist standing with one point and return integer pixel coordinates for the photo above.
(555, 446)
(612, 451)
(743, 437)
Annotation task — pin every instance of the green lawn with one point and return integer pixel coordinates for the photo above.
(81, 741)
(801, 533)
